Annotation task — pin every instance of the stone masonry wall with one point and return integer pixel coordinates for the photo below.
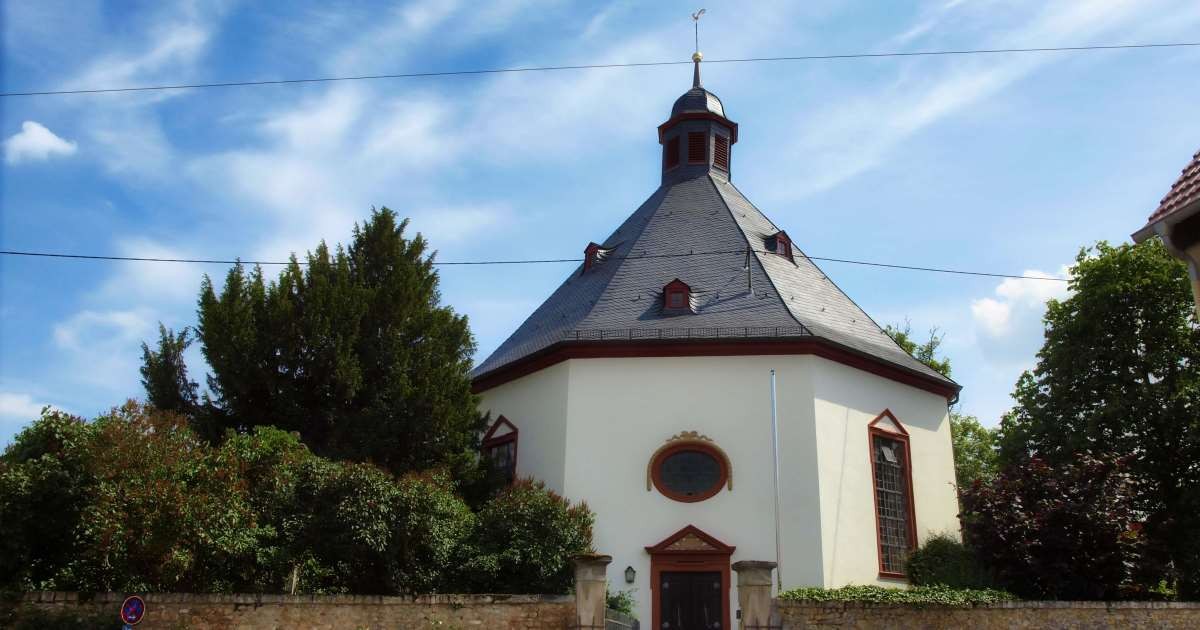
(1007, 616)
(354, 612)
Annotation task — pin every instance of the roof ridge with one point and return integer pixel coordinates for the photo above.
(751, 248)
(824, 275)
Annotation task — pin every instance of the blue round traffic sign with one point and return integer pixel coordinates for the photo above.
(133, 610)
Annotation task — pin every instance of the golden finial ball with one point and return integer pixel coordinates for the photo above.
(696, 56)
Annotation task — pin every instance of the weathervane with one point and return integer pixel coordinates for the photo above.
(696, 56)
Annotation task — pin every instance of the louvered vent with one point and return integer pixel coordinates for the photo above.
(697, 148)
(721, 152)
(671, 152)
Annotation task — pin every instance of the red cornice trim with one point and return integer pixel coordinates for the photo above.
(823, 348)
(733, 128)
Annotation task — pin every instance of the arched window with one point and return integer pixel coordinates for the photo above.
(891, 471)
(500, 446)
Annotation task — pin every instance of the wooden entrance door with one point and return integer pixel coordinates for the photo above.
(690, 562)
(690, 600)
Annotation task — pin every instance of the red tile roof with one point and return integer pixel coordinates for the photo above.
(1185, 191)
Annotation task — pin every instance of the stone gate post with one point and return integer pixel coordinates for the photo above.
(754, 592)
(591, 584)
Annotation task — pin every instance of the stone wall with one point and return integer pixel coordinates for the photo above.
(1011, 615)
(354, 612)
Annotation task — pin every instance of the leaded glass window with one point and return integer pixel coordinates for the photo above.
(892, 507)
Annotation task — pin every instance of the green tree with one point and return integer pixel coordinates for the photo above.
(165, 375)
(525, 540)
(924, 352)
(1119, 376)
(975, 457)
(1069, 531)
(45, 485)
(974, 444)
(353, 350)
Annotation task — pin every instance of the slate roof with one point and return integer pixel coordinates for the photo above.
(696, 100)
(671, 236)
(1185, 191)
(699, 228)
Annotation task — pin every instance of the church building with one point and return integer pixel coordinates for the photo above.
(642, 386)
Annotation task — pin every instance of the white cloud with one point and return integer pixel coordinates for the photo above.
(1017, 302)
(854, 134)
(456, 224)
(35, 143)
(19, 407)
(172, 46)
(103, 348)
(165, 285)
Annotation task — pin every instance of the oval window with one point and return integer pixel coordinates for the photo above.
(689, 473)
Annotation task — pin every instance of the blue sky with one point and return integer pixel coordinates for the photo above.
(1003, 163)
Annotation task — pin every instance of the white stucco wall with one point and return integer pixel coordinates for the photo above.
(604, 418)
(846, 401)
(537, 405)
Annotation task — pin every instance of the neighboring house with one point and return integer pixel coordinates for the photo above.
(642, 386)
(1177, 221)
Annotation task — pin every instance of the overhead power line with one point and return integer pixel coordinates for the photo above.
(533, 262)
(484, 71)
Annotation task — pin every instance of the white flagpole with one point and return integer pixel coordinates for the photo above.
(778, 491)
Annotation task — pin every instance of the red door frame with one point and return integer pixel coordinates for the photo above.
(692, 550)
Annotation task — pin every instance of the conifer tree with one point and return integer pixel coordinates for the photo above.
(353, 350)
(165, 375)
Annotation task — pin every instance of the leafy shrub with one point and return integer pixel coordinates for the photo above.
(620, 601)
(917, 595)
(1065, 532)
(166, 513)
(526, 538)
(946, 561)
(45, 483)
(136, 501)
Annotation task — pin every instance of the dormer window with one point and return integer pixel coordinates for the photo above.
(677, 297)
(721, 151)
(671, 152)
(697, 148)
(779, 243)
(593, 255)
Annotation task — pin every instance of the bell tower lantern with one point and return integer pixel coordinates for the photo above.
(697, 139)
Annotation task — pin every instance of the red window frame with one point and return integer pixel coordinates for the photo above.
(721, 151)
(661, 456)
(697, 147)
(880, 428)
(491, 442)
(782, 245)
(671, 152)
(590, 256)
(679, 288)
